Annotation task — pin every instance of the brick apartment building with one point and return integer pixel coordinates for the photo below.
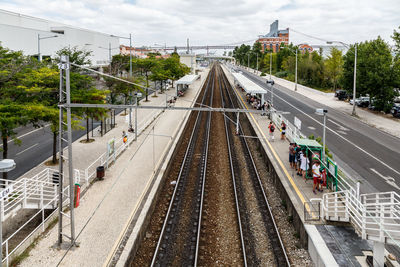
(273, 39)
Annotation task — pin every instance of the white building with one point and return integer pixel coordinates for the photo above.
(189, 60)
(21, 33)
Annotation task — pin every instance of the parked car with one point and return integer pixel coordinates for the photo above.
(341, 94)
(361, 101)
(395, 110)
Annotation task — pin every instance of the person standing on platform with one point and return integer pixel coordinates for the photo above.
(304, 164)
(316, 176)
(283, 130)
(291, 154)
(271, 128)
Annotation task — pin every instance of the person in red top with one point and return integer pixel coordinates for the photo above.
(271, 128)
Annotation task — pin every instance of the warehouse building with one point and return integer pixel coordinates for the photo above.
(30, 35)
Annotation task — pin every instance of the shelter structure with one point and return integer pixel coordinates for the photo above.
(249, 86)
(183, 83)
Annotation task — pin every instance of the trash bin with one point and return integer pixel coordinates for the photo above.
(100, 172)
(56, 178)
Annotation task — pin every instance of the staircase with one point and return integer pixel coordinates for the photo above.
(374, 216)
(38, 192)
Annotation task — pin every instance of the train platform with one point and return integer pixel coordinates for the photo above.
(328, 245)
(113, 207)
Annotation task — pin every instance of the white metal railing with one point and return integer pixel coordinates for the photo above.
(50, 204)
(375, 216)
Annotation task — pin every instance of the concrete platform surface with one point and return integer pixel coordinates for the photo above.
(109, 204)
(346, 248)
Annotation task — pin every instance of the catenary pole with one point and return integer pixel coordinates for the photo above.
(130, 76)
(70, 166)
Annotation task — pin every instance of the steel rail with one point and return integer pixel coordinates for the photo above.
(204, 173)
(186, 160)
(281, 257)
(233, 180)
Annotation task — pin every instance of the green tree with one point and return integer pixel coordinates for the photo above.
(396, 39)
(77, 56)
(376, 72)
(145, 65)
(334, 66)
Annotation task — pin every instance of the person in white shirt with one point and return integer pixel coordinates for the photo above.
(316, 176)
(304, 165)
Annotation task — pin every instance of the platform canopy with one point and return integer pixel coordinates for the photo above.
(187, 79)
(248, 85)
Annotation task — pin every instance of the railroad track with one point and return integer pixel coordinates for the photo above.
(250, 247)
(178, 243)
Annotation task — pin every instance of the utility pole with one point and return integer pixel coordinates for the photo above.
(248, 60)
(354, 82)
(295, 85)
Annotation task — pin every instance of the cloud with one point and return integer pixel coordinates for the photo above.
(220, 21)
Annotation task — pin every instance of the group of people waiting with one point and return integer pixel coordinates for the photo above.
(299, 161)
(255, 102)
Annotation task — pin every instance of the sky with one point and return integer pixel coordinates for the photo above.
(218, 22)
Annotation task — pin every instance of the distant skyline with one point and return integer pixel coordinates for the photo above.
(220, 22)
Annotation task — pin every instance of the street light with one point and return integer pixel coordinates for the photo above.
(130, 76)
(271, 82)
(109, 52)
(295, 77)
(321, 111)
(41, 38)
(355, 71)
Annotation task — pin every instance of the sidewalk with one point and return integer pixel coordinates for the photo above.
(384, 122)
(109, 204)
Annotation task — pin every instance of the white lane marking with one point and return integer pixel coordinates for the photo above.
(321, 124)
(340, 126)
(311, 128)
(19, 137)
(388, 179)
(26, 149)
(342, 132)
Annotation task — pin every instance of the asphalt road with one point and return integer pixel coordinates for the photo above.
(36, 146)
(363, 152)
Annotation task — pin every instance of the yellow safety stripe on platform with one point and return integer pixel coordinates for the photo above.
(275, 154)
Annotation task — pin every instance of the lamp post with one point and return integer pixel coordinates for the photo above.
(321, 111)
(270, 65)
(109, 53)
(271, 82)
(41, 38)
(295, 74)
(130, 76)
(136, 105)
(257, 63)
(355, 72)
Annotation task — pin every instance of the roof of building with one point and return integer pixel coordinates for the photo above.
(187, 79)
(307, 142)
(248, 85)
